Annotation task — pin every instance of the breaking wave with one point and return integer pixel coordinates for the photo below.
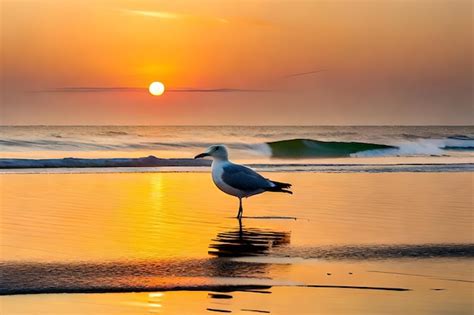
(290, 150)
(307, 148)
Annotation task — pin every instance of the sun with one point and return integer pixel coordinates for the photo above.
(156, 88)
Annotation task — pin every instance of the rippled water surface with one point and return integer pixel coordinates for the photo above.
(383, 243)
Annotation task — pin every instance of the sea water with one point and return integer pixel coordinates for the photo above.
(283, 148)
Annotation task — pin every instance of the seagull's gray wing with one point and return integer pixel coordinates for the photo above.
(244, 178)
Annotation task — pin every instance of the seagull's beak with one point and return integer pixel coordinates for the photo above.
(201, 155)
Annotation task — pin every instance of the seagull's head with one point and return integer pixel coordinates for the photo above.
(215, 151)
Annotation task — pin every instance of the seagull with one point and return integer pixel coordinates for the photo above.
(238, 180)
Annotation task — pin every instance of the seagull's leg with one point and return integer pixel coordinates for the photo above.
(241, 232)
(239, 215)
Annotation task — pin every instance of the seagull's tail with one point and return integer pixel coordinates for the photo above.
(280, 187)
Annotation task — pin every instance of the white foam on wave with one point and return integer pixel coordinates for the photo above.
(261, 149)
(422, 147)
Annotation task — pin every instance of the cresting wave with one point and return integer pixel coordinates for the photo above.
(290, 150)
(307, 148)
(293, 148)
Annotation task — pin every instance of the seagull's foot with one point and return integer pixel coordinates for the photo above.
(239, 214)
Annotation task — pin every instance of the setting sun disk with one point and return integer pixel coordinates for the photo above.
(156, 88)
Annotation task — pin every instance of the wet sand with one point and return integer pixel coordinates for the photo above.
(342, 244)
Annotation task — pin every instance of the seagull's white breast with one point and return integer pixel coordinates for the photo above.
(217, 170)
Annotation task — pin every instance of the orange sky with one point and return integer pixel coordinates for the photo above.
(385, 62)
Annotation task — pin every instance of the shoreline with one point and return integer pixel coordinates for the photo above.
(203, 288)
(154, 164)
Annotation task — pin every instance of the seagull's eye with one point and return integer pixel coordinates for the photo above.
(217, 148)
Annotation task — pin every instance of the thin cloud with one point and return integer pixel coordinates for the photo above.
(166, 15)
(218, 90)
(89, 89)
(173, 15)
(155, 14)
(92, 89)
(303, 73)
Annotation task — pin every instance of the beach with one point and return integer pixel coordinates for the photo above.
(236, 157)
(168, 242)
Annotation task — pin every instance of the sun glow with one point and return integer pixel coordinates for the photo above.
(156, 88)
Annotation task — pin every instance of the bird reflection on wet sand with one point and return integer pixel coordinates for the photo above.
(242, 242)
(247, 242)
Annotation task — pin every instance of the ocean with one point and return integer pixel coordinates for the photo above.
(122, 220)
(280, 148)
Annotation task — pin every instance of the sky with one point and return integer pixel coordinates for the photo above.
(248, 62)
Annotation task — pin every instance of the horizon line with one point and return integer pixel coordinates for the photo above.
(233, 125)
(105, 89)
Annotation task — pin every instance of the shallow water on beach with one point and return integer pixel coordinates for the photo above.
(343, 243)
